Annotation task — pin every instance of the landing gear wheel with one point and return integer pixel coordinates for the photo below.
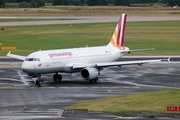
(95, 80)
(31, 75)
(90, 81)
(57, 77)
(38, 83)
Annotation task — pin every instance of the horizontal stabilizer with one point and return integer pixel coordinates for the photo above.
(138, 50)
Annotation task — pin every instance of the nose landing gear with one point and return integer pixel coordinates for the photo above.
(56, 77)
(38, 83)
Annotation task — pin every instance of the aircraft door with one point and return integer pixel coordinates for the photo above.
(47, 59)
(76, 59)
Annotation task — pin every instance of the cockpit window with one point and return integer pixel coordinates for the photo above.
(32, 59)
(38, 59)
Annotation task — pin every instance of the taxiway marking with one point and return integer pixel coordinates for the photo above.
(114, 87)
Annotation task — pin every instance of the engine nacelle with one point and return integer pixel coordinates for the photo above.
(89, 73)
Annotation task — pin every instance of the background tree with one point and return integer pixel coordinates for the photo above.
(24, 5)
(122, 2)
(64, 2)
(75, 2)
(92, 2)
(33, 4)
(2, 4)
(40, 3)
(110, 1)
(49, 1)
(173, 2)
(16, 1)
(56, 2)
(82, 2)
(144, 1)
(103, 2)
(37, 3)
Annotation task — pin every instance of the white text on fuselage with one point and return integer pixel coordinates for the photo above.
(51, 55)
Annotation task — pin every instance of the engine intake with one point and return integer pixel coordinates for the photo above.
(89, 73)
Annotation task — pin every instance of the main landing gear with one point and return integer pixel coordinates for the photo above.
(95, 80)
(57, 77)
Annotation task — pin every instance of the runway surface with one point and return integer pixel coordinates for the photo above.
(22, 100)
(86, 19)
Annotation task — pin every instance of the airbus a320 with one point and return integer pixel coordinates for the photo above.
(89, 61)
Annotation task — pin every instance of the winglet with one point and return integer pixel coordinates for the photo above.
(169, 59)
(166, 60)
(9, 53)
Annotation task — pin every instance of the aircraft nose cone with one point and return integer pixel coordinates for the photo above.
(27, 67)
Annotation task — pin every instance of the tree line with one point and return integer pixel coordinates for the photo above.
(40, 3)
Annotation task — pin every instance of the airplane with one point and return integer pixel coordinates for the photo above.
(89, 61)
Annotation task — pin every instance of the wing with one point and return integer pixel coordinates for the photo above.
(108, 64)
(16, 56)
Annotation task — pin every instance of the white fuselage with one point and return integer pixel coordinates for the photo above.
(62, 60)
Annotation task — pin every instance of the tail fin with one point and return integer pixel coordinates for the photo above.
(117, 39)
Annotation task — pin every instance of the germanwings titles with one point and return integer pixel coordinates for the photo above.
(89, 61)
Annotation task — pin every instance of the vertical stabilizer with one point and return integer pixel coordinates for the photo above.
(117, 39)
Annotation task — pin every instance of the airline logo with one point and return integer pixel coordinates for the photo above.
(117, 39)
(51, 55)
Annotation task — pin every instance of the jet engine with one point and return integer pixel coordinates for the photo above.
(89, 73)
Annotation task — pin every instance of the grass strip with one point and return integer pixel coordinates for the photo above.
(145, 102)
(163, 36)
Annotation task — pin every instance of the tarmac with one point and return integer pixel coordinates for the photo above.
(22, 100)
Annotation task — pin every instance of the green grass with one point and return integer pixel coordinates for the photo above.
(140, 5)
(158, 5)
(145, 102)
(163, 36)
(176, 13)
